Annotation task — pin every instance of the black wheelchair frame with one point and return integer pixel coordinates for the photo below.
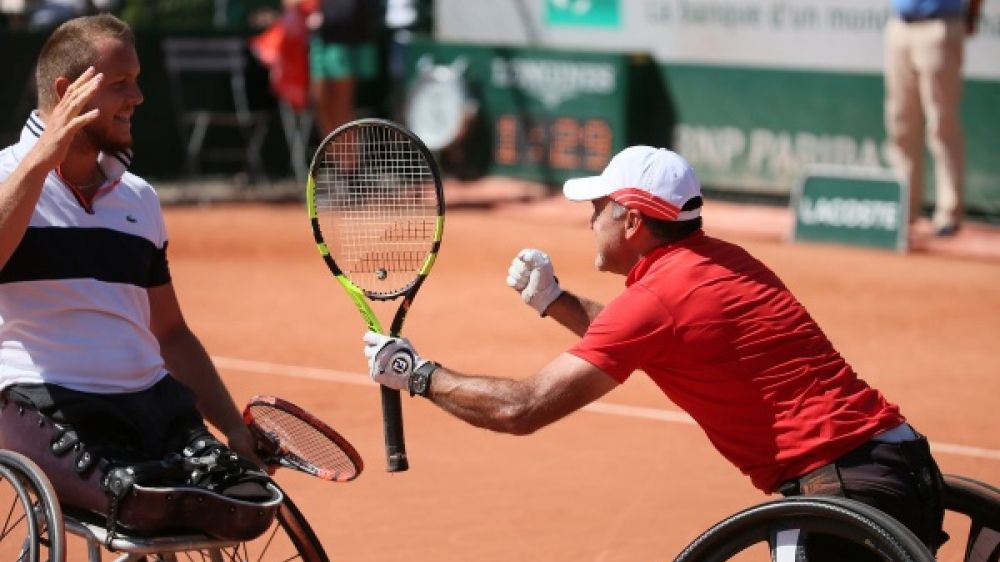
(785, 524)
(35, 528)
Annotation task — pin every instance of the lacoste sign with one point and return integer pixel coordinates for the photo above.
(845, 212)
(860, 207)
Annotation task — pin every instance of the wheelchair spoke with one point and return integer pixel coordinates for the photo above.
(242, 552)
(8, 525)
(267, 544)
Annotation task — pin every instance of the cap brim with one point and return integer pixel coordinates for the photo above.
(586, 189)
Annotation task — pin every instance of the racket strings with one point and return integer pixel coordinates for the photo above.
(376, 198)
(303, 440)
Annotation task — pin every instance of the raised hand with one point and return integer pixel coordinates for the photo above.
(531, 275)
(65, 120)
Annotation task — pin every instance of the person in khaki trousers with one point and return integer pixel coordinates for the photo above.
(924, 44)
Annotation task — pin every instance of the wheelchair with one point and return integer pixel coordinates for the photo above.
(783, 526)
(34, 528)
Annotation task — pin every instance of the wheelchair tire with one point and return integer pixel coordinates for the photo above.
(980, 502)
(33, 504)
(843, 518)
(300, 533)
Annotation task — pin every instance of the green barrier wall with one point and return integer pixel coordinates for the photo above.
(762, 88)
(757, 128)
(744, 129)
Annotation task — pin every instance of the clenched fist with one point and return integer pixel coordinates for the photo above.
(531, 275)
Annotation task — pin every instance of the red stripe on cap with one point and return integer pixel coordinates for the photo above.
(646, 203)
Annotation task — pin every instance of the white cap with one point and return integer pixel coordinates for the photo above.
(654, 181)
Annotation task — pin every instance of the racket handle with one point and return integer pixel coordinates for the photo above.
(392, 424)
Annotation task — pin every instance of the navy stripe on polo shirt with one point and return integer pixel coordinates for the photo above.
(96, 253)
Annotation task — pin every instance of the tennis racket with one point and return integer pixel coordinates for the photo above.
(289, 436)
(376, 205)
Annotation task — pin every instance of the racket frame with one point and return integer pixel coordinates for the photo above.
(280, 455)
(392, 409)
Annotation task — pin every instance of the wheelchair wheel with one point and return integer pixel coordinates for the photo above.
(981, 504)
(33, 525)
(300, 533)
(783, 525)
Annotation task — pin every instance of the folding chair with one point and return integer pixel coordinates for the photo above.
(200, 72)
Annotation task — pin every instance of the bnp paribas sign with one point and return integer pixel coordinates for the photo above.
(582, 13)
(860, 207)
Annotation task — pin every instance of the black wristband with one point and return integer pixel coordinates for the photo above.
(420, 381)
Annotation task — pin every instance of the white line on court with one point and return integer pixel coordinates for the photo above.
(671, 416)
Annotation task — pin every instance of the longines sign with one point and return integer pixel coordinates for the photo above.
(553, 81)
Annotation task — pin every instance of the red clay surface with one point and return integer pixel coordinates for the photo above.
(599, 485)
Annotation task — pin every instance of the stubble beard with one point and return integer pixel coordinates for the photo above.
(105, 142)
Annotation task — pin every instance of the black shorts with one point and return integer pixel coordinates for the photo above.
(901, 479)
(126, 427)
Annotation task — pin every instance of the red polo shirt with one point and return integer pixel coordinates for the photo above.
(726, 341)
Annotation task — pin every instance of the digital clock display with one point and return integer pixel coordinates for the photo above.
(556, 142)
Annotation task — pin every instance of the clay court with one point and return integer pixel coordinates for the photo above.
(630, 478)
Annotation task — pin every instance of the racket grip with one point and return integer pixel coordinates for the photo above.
(392, 424)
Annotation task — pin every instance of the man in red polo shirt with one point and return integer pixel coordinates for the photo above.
(721, 336)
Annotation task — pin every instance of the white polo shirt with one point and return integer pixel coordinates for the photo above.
(73, 304)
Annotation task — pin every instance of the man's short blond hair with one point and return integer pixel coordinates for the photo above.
(71, 49)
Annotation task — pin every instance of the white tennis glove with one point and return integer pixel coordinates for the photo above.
(531, 275)
(391, 361)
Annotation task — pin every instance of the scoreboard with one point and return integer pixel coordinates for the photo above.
(553, 114)
(561, 143)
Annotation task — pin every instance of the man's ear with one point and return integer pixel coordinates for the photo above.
(62, 84)
(633, 223)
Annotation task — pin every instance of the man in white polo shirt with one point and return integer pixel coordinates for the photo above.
(91, 333)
